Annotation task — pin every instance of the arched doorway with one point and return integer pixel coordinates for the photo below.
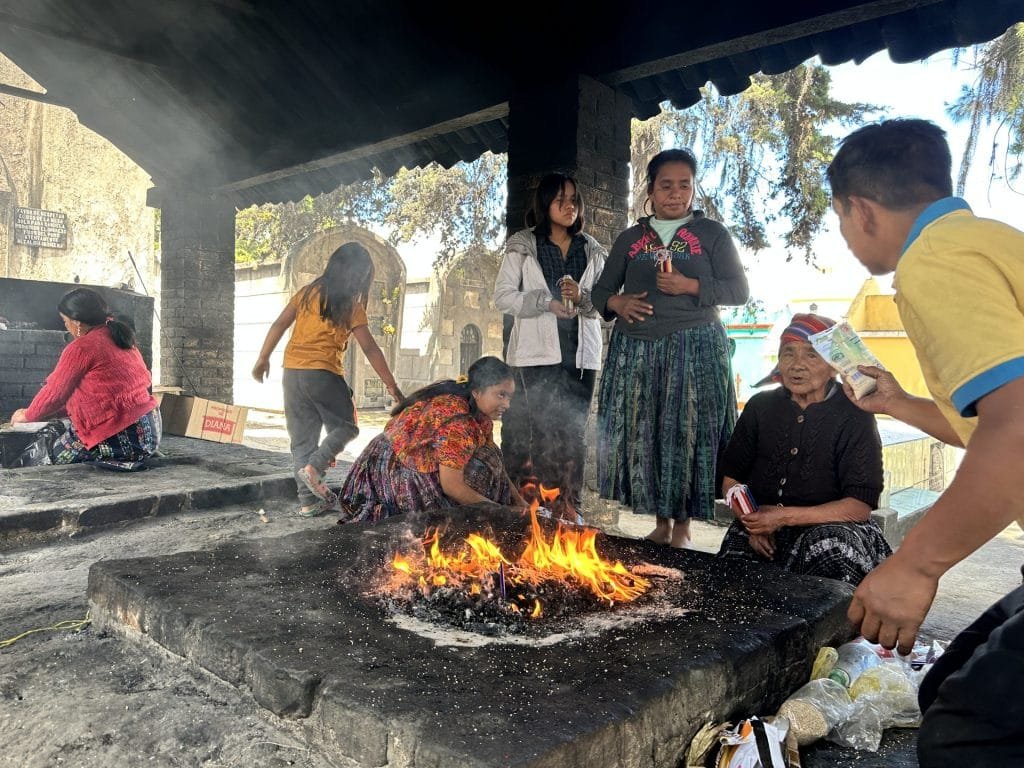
(470, 347)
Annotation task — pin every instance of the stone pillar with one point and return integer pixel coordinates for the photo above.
(577, 126)
(197, 296)
(581, 127)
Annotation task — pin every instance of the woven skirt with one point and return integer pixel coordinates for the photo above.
(125, 450)
(666, 409)
(379, 485)
(842, 551)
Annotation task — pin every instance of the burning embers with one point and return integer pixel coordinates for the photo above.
(477, 584)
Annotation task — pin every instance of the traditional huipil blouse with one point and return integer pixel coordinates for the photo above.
(438, 432)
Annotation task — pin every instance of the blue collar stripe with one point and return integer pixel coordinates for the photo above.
(936, 210)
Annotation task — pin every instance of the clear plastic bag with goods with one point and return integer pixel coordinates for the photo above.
(852, 660)
(883, 697)
(816, 709)
(883, 692)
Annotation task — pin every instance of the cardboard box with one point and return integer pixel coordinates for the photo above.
(202, 418)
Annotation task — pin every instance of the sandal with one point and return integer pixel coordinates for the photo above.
(316, 510)
(317, 486)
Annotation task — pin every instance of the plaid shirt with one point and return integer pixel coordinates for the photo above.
(554, 268)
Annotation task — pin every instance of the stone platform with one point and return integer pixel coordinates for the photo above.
(45, 502)
(287, 619)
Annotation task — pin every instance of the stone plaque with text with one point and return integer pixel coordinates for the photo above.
(46, 229)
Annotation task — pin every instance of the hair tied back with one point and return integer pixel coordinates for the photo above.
(462, 379)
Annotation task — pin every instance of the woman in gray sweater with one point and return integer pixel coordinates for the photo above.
(667, 402)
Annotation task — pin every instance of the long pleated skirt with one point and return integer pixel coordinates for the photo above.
(666, 409)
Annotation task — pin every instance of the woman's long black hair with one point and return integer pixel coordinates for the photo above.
(485, 372)
(344, 283)
(89, 308)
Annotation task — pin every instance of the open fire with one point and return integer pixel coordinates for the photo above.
(478, 579)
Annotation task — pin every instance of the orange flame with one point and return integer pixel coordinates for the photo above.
(570, 556)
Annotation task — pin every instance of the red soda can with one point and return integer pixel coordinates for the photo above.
(741, 499)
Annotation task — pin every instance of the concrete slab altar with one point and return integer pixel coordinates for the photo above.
(288, 619)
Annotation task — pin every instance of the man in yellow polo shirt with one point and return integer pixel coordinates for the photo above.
(960, 293)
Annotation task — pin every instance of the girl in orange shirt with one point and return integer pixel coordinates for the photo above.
(316, 396)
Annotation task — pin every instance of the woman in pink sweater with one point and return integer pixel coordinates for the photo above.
(102, 384)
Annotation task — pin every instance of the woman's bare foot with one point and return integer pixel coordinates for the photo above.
(681, 535)
(662, 533)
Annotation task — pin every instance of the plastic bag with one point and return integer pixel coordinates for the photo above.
(824, 661)
(853, 659)
(755, 743)
(815, 709)
(884, 696)
(30, 449)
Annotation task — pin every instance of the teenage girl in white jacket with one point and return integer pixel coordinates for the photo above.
(556, 343)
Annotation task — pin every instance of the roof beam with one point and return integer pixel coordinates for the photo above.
(823, 23)
(24, 93)
(361, 153)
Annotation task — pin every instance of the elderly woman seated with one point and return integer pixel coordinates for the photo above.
(812, 460)
(436, 451)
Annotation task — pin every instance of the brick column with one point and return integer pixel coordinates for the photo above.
(577, 126)
(581, 127)
(197, 293)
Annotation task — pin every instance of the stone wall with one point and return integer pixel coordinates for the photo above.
(259, 298)
(48, 160)
(26, 359)
(468, 326)
(197, 300)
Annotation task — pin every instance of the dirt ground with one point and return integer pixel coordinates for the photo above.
(92, 700)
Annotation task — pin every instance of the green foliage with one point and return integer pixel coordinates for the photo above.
(761, 154)
(256, 231)
(462, 205)
(997, 96)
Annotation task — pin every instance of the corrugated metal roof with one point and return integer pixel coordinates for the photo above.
(270, 101)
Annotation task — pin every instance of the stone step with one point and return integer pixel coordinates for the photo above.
(48, 502)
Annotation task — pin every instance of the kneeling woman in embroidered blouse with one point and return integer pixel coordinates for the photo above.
(436, 451)
(813, 461)
(101, 382)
